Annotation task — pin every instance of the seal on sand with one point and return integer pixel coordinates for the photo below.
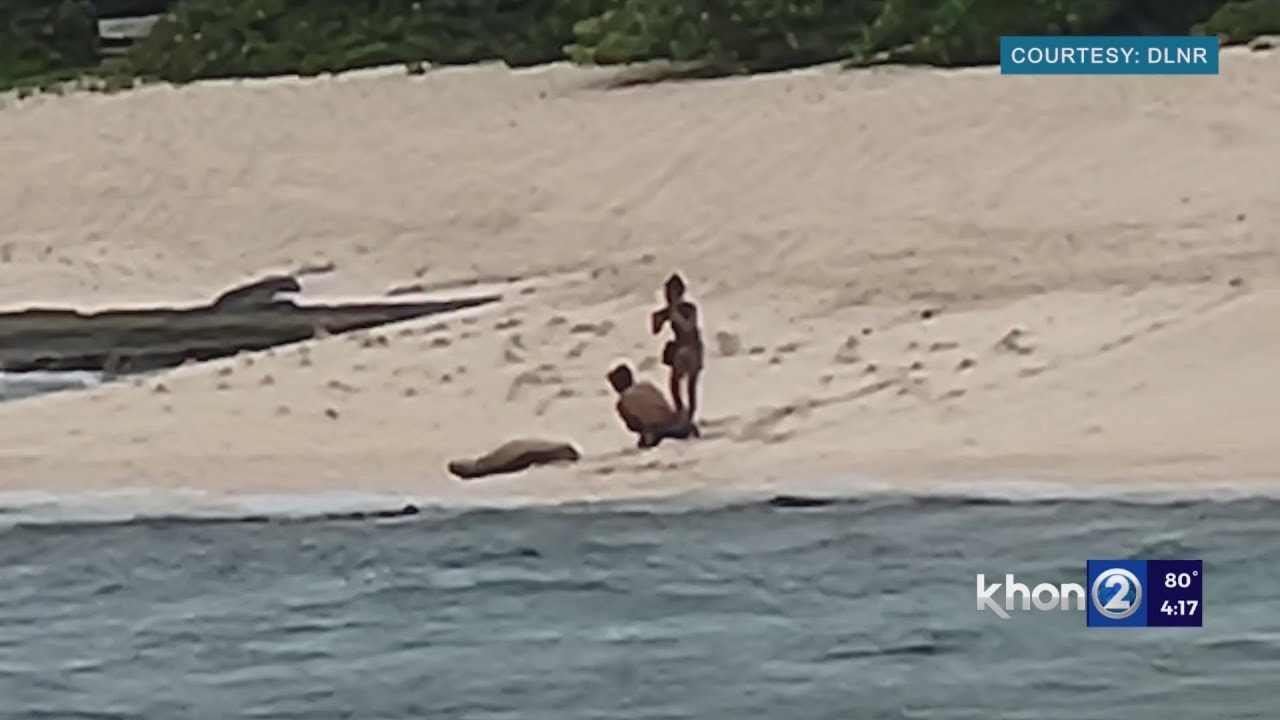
(645, 410)
(515, 456)
(258, 292)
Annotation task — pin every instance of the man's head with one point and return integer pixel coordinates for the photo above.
(674, 288)
(620, 377)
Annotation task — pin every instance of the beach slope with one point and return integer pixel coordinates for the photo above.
(908, 275)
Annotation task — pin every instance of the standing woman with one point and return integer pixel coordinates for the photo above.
(683, 354)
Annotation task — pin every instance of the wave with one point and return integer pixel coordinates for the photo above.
(150, 507)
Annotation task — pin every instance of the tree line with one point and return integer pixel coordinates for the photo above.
(47, 41)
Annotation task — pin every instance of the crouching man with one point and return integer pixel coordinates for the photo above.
(646, 411)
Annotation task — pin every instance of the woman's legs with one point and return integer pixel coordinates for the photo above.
(676, 395)
(693, 404)
(686, 367)
(692, 391)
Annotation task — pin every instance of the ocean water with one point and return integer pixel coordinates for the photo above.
(854, 609)
(15, 386)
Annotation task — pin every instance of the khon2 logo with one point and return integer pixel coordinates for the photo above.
(1117, 594)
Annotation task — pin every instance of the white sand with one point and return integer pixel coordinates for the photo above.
(1102, 217)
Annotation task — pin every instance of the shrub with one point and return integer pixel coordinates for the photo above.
(967, 32)
(220, 38)
(45, 40)
(746, 34)
(1240, 22)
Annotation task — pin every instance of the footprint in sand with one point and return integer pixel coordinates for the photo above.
(561, 393)
(543, 375)
(599, 329)
(847, 353)
(1032, 371)
(340, 386)
(1015, 341)
(512, 351)
(761, 428)
(508, 323)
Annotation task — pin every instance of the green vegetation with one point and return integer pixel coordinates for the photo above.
(1240, 22)
(967, 32)
(751, 35)
(46, 41)
(251, 38)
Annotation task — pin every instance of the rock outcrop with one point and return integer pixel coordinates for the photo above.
(253, 316)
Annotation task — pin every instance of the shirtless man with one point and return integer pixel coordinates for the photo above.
(645, 410)
(683, 354)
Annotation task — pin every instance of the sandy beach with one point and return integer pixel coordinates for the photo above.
(906, 276)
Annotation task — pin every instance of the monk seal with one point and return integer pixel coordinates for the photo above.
(259, 292)
(515, 456)
(645, 411)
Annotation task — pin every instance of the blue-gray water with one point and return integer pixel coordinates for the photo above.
(860, 609)
(16, 386)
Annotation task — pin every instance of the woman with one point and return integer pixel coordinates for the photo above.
(683, 354)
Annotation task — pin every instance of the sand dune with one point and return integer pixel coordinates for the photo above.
(905, 274)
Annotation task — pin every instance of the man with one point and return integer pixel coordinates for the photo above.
(684, 353)
(645, 411)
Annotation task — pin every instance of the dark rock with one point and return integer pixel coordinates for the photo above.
(246, 318)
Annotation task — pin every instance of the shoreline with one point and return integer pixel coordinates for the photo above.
(125, 505)
(997, 480)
